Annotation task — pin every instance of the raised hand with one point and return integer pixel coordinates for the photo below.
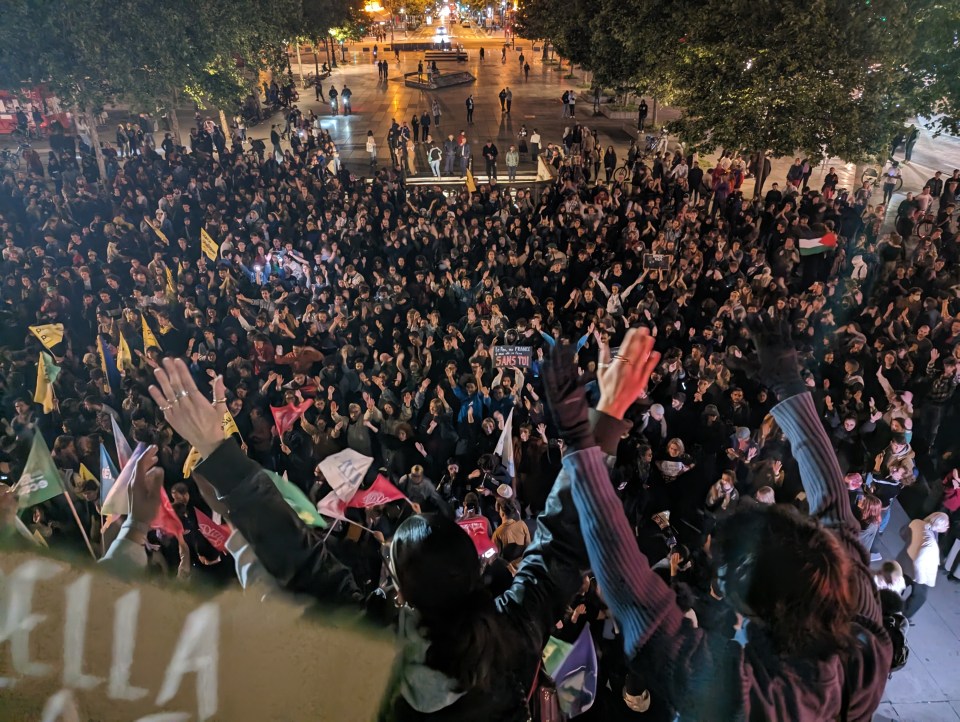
(568, 402)
(779, 365)
(190, 414)
(625, 379)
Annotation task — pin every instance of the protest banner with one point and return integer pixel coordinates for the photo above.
(657, 261)
(512, 356)
(82, 644)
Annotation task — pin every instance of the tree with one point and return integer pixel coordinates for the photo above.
(933, 67)
(147, 54)
(812, 76)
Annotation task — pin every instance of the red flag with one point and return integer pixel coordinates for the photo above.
(214, 533)
(479, 530)
(380, 492)
(286, 416)
(167, 519)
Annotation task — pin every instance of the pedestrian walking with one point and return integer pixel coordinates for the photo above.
(503, 100)
(275, 140)
(512, 159)
(526, 71)
(372, 149)
(521, 59)
(481, 54)
(490, 154)
(912, 136)
(449, 154)
(641, 114)
(415, 126)
(503, 55)
(434, 155)
(419, 71)
(318, 88)
(345, 95)
(333, 94)
(436, 113)
(469, 104)
(509, 99)
(425, 126)
(386, 70)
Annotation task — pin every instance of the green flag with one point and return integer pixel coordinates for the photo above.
(298, 501)
(41, 479)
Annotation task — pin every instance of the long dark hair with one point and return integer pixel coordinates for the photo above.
(789, 573)
(438, 573)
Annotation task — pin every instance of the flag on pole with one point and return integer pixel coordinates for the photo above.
(115, 501)
(380, 492)
(108, 474)
(574, 670)
(505, 447)
(210, 248)
(85, 474)
(149, 338)
(50, 334)
(471, 183)
(156, 229)
(812, 246)
(124, 357)
(190, 463)
(166, 519)
(171, 286)
(214, 533)
(47, 373)
(40, 480)
(478, 529)
(109, 366)
(286, 416)
(230, 425)
(332, 506)
(298, 501)
(344, 472)
(123, 446)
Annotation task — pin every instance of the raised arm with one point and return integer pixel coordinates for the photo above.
(797, 416)
(290, 551)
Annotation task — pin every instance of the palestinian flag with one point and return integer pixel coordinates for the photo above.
(810, 246)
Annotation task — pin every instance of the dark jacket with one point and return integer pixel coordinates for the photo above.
(297, 558)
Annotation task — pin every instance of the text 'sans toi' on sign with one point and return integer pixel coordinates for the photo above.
(79, 644)
(512, 356)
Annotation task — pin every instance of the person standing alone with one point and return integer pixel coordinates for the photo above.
(469, 105)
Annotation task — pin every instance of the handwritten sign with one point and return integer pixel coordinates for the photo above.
(79, 644)
(512, 356)
(657, 261)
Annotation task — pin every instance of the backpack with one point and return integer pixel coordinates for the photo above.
(566, 97)
(897, 625)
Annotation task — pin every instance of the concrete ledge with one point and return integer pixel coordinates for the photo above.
(437, 82)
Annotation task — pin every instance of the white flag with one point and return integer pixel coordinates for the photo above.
(505, 447)
(123, 446)
(344, 471)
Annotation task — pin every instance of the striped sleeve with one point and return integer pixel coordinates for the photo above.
(819, 470)
(639, 599)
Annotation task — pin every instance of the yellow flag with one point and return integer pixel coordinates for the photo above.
(103, 364)
(230, 425)
(171, 286)
(86, 474)
(471, 185)
(50, 334)
(124, 357)
(210, 248)
(44, 391)
(160, 234)
(193, 458)
(149, 339)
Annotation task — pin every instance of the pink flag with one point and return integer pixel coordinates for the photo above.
(380, 492)
(214, 533)
(286, 416)
(167, 520)
(332, 506)
(478, 528)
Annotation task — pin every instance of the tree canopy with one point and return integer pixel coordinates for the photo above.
(817, 76)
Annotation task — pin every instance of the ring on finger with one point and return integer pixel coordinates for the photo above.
(182, 394)
(166, 408)
(220, 401)
(626, 360)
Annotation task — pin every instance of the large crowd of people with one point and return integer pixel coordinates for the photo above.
(383, 304)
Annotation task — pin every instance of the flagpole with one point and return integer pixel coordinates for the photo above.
(76, 516)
